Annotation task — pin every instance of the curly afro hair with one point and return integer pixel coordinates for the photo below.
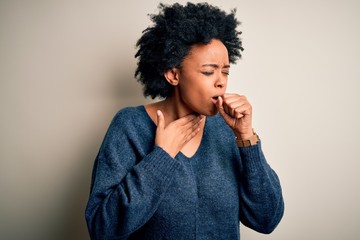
(176, 28)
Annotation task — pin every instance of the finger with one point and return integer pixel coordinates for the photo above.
(234, 108)
(243, 110)
(192, 134)
(160, 119)
(233, 95)
(223, 108)
(220, 107)
(192, 125)
(238, 111)
(234, 104)
(238, 115)
(228, 99)
(231, 99)
(226, 107)
(191, 129)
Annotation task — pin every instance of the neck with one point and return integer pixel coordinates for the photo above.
(174, 108)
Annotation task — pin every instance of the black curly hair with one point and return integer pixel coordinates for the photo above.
(176, 28)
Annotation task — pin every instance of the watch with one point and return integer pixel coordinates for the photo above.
(253, 140)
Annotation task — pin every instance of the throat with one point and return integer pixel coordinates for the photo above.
(191, 147)
(174, 108)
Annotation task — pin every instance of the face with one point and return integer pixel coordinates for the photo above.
(203, 77)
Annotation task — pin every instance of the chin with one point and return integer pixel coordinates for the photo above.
(211, 112)
(214, 111)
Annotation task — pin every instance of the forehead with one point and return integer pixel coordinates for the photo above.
(213, 52)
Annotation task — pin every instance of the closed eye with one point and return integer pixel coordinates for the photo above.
(207, 73)
(210, 73)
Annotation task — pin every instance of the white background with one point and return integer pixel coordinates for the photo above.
(66, 67)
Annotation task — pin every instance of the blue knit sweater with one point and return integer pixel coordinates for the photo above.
(139, 192)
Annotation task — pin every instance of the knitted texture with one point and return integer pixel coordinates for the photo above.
(139, 192)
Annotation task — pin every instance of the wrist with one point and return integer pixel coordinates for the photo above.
(244, 134)
(248, 140)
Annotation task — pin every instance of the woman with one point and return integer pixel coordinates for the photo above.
(189, 166)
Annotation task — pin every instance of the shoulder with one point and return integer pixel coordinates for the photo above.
(129, 112)
(127, 116)
(128, 119)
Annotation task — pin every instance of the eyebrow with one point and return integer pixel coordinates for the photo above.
(214, 65)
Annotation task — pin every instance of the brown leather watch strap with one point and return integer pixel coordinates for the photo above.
(253, 140)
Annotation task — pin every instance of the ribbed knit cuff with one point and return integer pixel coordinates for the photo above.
(160, 164)
(252, 157)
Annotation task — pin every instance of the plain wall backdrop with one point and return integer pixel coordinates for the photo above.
(66, 67)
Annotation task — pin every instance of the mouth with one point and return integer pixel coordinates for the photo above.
(215, 99)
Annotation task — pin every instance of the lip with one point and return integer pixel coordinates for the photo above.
(215, 98)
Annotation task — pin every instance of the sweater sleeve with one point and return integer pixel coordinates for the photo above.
(125, 190)
(262, 205)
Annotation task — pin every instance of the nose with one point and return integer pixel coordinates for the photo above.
(220, 82)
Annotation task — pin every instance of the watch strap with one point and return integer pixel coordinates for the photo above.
(253, 140)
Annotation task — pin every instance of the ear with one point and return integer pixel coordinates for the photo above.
(172, 76)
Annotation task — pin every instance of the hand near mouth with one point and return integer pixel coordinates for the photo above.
(237, 113)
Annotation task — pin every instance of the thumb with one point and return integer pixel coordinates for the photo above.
(160, 120)
(219, 105)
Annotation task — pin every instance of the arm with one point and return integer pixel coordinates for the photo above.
(130, 180)
(261, 199)
(124, 197)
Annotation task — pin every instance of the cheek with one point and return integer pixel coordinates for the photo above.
(189, 93)
(195, 86)
(195, 90)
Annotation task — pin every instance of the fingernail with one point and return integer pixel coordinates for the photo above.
(158, 112)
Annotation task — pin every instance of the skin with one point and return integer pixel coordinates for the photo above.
(199, 91)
